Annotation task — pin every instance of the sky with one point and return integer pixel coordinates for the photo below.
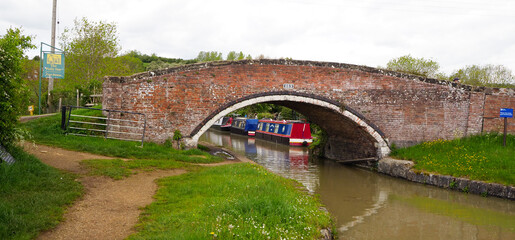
(454, 33)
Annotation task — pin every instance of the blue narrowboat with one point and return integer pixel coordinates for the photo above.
(244, 126)
(295, 133)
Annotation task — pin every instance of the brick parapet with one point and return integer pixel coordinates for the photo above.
(406, 109)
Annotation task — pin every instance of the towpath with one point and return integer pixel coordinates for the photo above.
(109, 208)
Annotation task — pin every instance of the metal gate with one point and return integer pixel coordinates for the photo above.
(106, 123)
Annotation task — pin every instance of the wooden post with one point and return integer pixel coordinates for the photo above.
(63, 118)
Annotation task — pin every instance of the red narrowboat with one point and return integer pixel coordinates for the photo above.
(295, 133)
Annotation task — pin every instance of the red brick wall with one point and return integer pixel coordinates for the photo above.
(406, 108)
(493, 104)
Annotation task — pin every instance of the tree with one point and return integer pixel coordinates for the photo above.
(487, 75)
(417, 66)
(12, 46)
(231, 56)
(209, 56)
(91, 50)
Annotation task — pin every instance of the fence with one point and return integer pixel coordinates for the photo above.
(106, 123)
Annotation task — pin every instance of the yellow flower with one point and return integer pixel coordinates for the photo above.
(212, 233)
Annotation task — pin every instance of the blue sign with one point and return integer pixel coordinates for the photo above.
(53, 65)
(506, 112)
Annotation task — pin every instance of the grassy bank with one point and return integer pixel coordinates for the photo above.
(47, 131)
(32, 196)
(480, 157)
(238, 201)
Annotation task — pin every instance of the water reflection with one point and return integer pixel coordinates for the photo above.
(368, 205)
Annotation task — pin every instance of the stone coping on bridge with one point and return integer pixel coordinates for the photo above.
(404, 169)
(197, 66)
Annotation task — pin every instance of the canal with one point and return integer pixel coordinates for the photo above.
(368, 205)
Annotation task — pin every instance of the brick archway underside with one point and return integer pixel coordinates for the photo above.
(350, 135)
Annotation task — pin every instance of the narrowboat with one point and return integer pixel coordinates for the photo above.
(226, 124)
(295, 133)
(217, 124)
(244, 126)
(221, 122)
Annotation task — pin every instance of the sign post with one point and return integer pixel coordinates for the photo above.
(506, 113)
(51, 65)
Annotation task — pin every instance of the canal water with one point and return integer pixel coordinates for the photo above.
(368, 205)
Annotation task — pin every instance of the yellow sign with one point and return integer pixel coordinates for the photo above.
(31, 109)
(52, 59)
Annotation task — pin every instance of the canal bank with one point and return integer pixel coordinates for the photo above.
(404, 169)
(367, 205)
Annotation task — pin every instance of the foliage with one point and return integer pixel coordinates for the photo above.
(250, 204)
(153, 62)
(12, 93)
(486, 75)
(177, 135)
(145, 58)
(265, 115)
(232, 56)
(91, 53)
(156, 65)
(480, 157)
(47, 131)
(264, 110)
(33, 196)
(320, 138)
(417, 66)
(209, 56)
(30, 80)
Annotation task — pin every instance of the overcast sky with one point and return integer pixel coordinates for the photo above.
(454, 33)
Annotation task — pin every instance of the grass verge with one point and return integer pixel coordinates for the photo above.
(47, 131)
(480, 157)
(237, 201)
(118, 169)
(32, 196)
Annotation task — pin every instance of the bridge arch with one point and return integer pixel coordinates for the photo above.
(354, 137)
(391, 107)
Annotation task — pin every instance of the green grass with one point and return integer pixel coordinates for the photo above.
(119, 169)
(32, 196)
(237, 201)
(480, 157)
(47, 131)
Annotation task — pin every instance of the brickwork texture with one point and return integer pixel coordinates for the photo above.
(405, 109)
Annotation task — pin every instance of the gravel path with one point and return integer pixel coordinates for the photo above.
(109, 209)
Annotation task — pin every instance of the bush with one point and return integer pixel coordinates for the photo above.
(12, 46)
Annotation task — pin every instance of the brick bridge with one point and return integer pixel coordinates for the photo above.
(362, 109)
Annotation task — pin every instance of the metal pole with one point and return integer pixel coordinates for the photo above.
(51, 80)
(505, 130)
(40, 72)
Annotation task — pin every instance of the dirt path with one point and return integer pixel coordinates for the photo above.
(109, 209)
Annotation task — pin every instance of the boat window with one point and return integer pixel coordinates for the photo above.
(277, 128)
